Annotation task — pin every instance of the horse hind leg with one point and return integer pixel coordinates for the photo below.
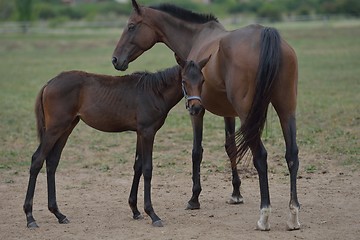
(289, 131)
(37, 162)
(52, 161)
(260, 163)
(230, 147)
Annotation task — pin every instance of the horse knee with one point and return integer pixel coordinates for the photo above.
(197, 153)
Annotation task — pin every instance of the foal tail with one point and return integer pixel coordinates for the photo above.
(268, 70)
(39, 114)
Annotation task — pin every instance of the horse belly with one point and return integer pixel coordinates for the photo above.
(109, 122)
(217, 103)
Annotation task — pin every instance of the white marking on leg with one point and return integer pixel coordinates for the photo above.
(263, 223)
(293, 223)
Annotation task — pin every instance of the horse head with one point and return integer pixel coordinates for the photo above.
(192, 81)
(137, 37)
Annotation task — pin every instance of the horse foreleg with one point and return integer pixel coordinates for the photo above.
(135, 183)
(291, 156)
(147, 141)
(197, 153)
(260, 163)
(230, 147)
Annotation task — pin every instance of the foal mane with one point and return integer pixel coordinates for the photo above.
(185, 14)
(157, 81)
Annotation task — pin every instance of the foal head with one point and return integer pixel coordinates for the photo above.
(192, 81)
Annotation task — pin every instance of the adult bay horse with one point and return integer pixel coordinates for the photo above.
(249, 68)
(138, 102)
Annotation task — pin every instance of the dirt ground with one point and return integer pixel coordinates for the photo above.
(95, 202)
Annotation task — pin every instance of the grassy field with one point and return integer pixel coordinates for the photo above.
(328, 103)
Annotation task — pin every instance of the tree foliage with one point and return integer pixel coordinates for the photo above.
(25, 10)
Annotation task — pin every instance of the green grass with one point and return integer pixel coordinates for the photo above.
(328, 102)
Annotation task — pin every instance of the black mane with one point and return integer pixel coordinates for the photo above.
(157, 81)
(185, 14)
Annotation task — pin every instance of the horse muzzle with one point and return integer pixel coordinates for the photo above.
(120, 64)
(193, 105)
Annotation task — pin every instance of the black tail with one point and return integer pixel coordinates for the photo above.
(269, 64)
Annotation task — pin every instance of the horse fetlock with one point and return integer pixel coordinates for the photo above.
(293, 222)
(263, 223)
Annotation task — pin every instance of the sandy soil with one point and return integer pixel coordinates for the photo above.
(96, 204)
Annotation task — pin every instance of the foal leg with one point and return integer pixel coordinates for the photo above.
(52, 161)
(289, 130)
(146, 145)
(37, 162)
(197, 153)
(260, 163)
(135, 183)
(230, 147)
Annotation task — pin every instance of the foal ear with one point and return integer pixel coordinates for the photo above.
(203, 62)
(136, 7)
(180, 61)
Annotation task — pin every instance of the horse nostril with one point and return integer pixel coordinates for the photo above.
(114, 60)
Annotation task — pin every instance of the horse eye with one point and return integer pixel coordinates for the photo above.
(131, 27)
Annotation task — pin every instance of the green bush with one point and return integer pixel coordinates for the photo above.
(270, 11)
(7, 10)
(45, 11)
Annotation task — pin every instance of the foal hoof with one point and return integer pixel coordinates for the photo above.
(32, 225)
(235, 200)
(158, 223)
(64, 221)
(192, 206)
(138, 217)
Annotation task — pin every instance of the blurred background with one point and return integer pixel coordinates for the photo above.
(102, 13)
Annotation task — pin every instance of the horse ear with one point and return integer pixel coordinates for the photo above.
(136, 7)
(180, 61)
(203, 62)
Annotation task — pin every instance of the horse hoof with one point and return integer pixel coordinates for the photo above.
(158, 223)
(263, 223)
(192, 206)
(293, 222)
(138, 217)
(32, 225)
(262, 227)
(64, 221)
(235, 200)
(290, 226)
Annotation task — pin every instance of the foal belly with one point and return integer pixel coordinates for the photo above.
(109, 122)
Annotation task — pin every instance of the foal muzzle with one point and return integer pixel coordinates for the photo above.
(189, 98)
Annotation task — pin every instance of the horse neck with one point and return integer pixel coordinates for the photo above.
(172, 93)
(180, 36)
